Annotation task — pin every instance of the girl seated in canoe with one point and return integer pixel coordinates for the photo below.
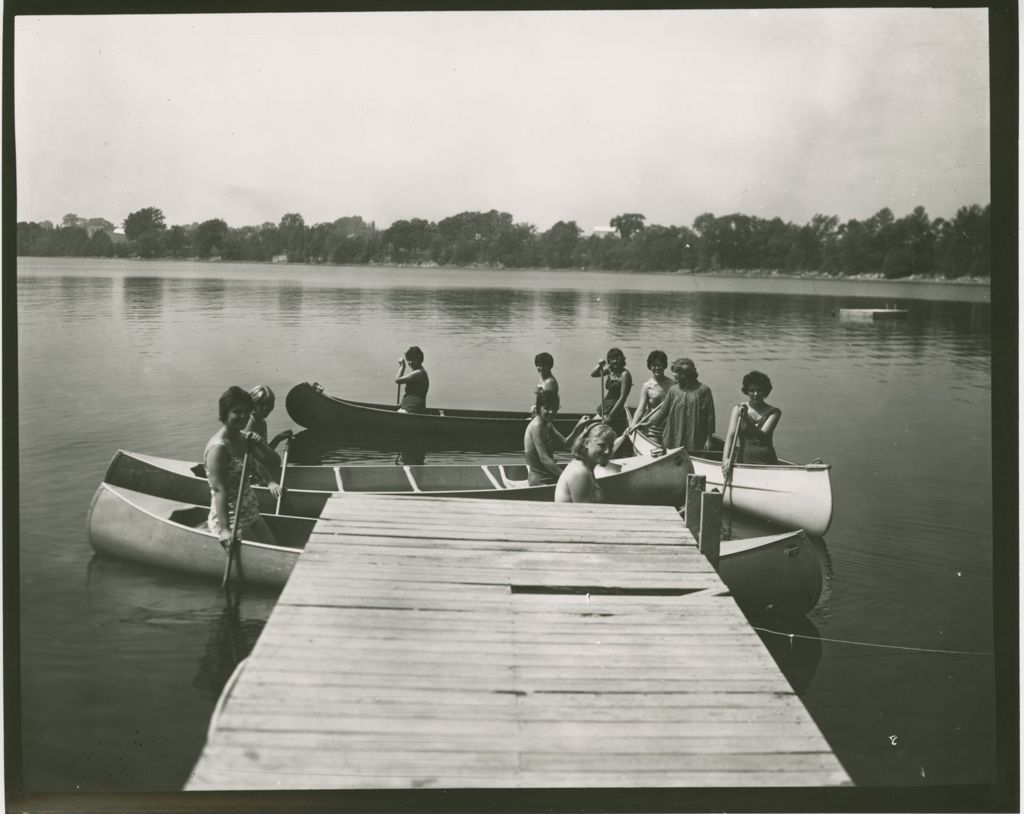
(224, 456)
(542, 438)
(616, 389)
(416, 382)
(652, 392)
(752, 425)
(577, 483)
(262, 406)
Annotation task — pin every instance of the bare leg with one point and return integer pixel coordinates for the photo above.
(260, 532)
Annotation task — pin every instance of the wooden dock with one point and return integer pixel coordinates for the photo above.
(444, 643)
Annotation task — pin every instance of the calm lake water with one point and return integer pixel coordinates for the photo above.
(121, 665)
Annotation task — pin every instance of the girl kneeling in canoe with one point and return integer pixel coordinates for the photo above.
(577, 483)
(542, 438)
(224, 455)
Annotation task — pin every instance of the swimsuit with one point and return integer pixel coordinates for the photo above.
(613, 389)
(415, 398)
(754, 449)
(539, 474)
(655, 396)
(250, 509)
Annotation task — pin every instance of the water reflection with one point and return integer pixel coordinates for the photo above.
(795, 644)
(559, 307)
(231, 636)
(143, 297)
(179, 606)
(206, 294)
(289, 303)
(340, 304)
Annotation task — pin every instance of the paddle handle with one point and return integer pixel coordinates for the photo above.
(284, 470)
(731, 452)
(235, 540)
(600, 386)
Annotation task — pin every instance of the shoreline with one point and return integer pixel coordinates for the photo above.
(759, 274)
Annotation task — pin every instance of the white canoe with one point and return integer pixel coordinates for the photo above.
(779, 572)
(790, 495)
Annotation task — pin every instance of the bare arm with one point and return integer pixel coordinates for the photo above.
(766, 430)
(261, 451)
(734, 425)
(598, 369)
(641, 408)
(405, 378)
(217, 469)
(535, 436)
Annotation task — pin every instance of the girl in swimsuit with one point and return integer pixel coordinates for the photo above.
(223, 457)
(617, 387)
(542, 438)
(755, 422)
(652, 391)
(416, 382)
(262, 406)
(577, 483)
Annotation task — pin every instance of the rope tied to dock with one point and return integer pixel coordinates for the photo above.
(791, 636)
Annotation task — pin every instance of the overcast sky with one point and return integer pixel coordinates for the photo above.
(577, 115)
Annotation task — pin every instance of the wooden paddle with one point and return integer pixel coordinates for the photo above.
(398, 394)
(727, 480)
(600, 386)
(625, 434)
(284, 469)
(235, 543)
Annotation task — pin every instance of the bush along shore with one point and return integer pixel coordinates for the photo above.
(914, 247)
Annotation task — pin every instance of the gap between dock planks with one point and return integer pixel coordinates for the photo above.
(451, 643)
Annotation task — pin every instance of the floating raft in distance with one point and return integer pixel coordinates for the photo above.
(872, 313)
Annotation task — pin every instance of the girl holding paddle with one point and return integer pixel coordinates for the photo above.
(416, 382)
(226, 457)
(752, 425)
(615, 390)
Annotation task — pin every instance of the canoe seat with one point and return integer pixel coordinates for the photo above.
(443, 479)
(374, 479)
(193, 517)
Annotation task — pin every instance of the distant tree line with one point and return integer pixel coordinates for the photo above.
(914, 244)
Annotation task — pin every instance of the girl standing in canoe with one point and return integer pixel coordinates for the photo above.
(542, 438)
(617, 387)
(652, 392)
(755, 422)
(544, 362)
(224, 456)
(416, 382)
(577, 483)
